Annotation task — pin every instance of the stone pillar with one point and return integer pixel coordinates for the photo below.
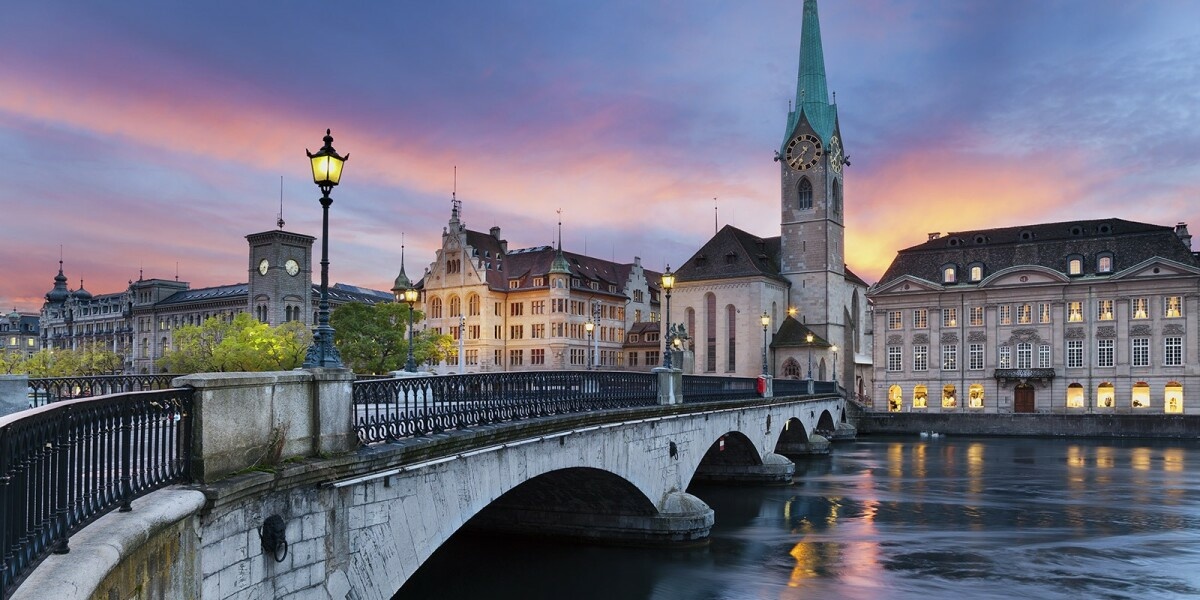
(14, 394)
(775, 469)
(670, 385)
(244, 420)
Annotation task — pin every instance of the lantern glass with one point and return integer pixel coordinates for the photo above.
(411, 295)
(589, 326)
(327, 169)
(766, 320)
(668, 279)
(808, 338)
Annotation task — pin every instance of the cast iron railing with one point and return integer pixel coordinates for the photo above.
(64, 465)
(389, 409)
(799, 387)
(709, 388)
(45, 390)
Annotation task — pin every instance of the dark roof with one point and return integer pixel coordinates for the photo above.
(733, 253)
(341, 292)
(641, 328)
(220, 292)
(793, 333)
(525, 264)
(1046, 245)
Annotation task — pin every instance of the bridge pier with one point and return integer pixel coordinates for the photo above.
(774, 470)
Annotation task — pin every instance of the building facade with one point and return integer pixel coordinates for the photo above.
(20, 334)
(797, 279)
(138, 322)
(1086, 316)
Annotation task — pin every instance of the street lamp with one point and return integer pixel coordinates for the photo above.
(590, 327)
(596, 314)
(327, 172)
(668, 283)
(410, 297)
(766, 322)
(835, 349)
(808, 339)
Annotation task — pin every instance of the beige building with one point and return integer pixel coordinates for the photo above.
(1085, 316)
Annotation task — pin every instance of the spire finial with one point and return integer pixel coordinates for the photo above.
(559, 211)
(280, 221)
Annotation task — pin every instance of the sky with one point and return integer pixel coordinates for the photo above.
(151, 137)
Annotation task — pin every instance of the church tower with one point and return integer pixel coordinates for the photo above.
(812, 230)
(280, 277)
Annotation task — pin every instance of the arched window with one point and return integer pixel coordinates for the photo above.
(975, 273)
(1141, 395)
(1075, 396)
(950, 274)
(949, 397)
(435, 308)
(710, 332)
(1173, 397)
(791, 369)
(473, 305)
(895, 398)
(837, 196)
(731, 330)
(920, 397)
(806, 194)
(1105, 397)
(691, 325)
(975, 396)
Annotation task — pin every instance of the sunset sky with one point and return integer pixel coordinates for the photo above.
(153, 135)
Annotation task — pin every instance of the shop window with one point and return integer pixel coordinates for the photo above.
(1173, 397)
(1105, 396)
(895, 398)
(1141, 395)
(949, 397)
(1075, 396)
(920, 397)
(975, 396)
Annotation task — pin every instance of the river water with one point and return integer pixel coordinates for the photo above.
(892, 518)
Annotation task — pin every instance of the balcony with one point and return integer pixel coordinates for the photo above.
(1023, 375)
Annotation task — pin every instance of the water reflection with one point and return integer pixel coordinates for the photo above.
(893, 519)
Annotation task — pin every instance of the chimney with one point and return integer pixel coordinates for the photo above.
(933, 236)
(1184, 236)
(495, 232)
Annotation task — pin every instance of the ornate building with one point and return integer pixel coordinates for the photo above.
(138, 322)
(1085, 316)
(538, 308)
(798, 279)
(20, 334)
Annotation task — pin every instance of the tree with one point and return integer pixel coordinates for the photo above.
(243, 344)
(371, 338)
(430, 347)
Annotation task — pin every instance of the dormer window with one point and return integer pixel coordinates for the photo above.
(1104, 262)
(975, 273)
(1074, 265)
(949, 274)
(514, 284)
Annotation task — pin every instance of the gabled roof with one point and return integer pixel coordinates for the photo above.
(794, 334)
(733, 253)
(1047, 245)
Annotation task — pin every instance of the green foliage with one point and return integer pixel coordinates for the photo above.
(94, 359)
(374, 338)
(243, 344)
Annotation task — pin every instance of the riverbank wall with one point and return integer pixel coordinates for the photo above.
(1026, 425)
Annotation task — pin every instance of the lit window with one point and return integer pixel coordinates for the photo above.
(1173, 306)
(1075, 396)
(1005, 314)
(1104, 353)
(1173, 397)
(975, 396)
(1141, 308)
(895, 398)
(976, 273)
(949, 317)
(949, 397)
(921, 318)
(1044, 312)
(1104, 310)
(895, 319)
(976, 316)
(920, 397)
(1105, 396)
(1141, 395)
(1141, 352)
(1024, 314)
(1173, 352)
(1075, 311)
(949, 274)
(1104, 263)
(1075, 266)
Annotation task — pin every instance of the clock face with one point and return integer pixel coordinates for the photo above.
(292, 267)
(835, 155)
(263, 265)
(804, 151)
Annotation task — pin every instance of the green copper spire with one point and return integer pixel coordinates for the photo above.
(812, 93)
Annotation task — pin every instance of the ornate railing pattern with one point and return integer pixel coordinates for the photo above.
(64, 465)
(45, 390)
(388, 409)
(708, 388)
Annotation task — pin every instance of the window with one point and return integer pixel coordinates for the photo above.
(1075, 396)
(1104, 353)
(1140, 352)
(516, 309)
(1141, 395)
(1024, 314)
(731, 331)
(975, 357)
(837, 196)
(1105, 396)
(949, 274)
(1104, 310)
(1075, 311)
(1173, 397)
(454, 332)
(537, 330)
(1074, 354)
(514, 284)
(537, 307)
(1173, 306)
(472, 357)
(1005, 357)
(516, 332)
(633, 359)
(537, 356)
(920, 357)
(949, 317)
(652, 357)
(455, 306)
(921, 318)
(949, 396)
(950, 357)
(976, 319)
(895, 319)
(498, 332)
(1173, 352)
(1044, 356)
(473, 305)
(1075, 265)
(539, 282)
(895, 398)
(1005, 315)
(473, 332)
(498, 358)
(516, 358)
(920, 397)
(1141, 308)
(1024, 355)
(805, 189)
(577, 356)
(710, 322)
(435, 308)
(1104, 263)
(895, 359)
(976, 273)
(975, 396)
(1044, 312)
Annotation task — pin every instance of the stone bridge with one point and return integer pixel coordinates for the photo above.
(358, 524)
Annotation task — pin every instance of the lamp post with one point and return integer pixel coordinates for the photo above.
(596, 313)
(808, 339)
(766, 322)
(591, 329)
(668, 283)
(327, 172)
(410, 297)
(462, 337)
(835, 349)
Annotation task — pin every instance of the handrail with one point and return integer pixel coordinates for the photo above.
(47, 390)
(64, 465)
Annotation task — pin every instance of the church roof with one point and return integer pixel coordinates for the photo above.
(1047, 245)
(794, 334)
(733, 253)
(812, 92)
(220, 292)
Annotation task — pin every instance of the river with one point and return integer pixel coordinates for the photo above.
(890, 518)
